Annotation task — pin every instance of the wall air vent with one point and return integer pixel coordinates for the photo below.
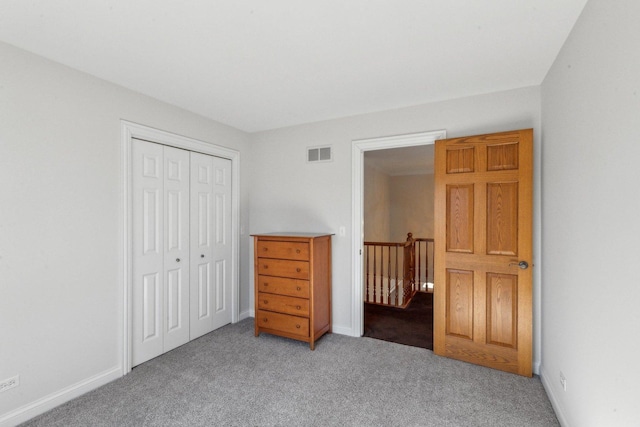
(319, 154)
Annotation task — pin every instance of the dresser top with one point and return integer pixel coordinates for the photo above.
(293, 234)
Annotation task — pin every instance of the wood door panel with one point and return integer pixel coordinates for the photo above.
(502, 309)
(460, 160)
(502, 156)
(460, 218)
(502, 218)
(483, 228)
(459, 289)
(481, 354)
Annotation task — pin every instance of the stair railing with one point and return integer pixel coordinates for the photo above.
(395, 271)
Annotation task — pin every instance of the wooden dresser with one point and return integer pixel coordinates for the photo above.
(293, 285)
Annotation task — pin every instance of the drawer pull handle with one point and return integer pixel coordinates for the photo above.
(297, 251)
(265, 320)
(298, 307)
(266, 301)
(298, 288)
(266, 267)
(298, 270)
(266, 284)
(265, 249)
(298, 326)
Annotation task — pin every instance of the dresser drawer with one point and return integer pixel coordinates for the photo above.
(283, 286)
(283, 322)
(283, 268)
(283, 250)
(283, 304)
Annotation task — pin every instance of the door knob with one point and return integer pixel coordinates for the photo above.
(202, 256)
(522, 264)
(177, 259)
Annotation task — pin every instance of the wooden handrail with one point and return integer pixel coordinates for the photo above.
(387, 244)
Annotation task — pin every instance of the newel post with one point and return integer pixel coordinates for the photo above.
(409, 268)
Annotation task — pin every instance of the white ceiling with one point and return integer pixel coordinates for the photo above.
(265, 64)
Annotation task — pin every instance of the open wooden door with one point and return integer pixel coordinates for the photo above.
(483, 250)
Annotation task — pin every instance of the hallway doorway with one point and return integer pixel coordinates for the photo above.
(359, 148)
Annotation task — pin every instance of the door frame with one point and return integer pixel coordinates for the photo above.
(359, 146)
(129, 131)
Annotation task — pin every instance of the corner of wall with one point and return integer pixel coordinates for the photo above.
(546, 383)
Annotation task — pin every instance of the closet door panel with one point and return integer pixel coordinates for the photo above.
(202, 216)
(222, 254)
(176, 253)
(148, 250)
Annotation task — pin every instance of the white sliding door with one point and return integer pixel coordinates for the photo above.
(210, 243)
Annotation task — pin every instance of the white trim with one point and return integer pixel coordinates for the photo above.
(133, 130)
(553, 398)
(49, 402)
(357, 159)
(341, 330)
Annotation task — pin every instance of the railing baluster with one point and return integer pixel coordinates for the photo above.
(367, 292)
(419, 270)
(375, 256)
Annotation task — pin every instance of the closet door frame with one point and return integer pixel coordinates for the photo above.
(130, 131)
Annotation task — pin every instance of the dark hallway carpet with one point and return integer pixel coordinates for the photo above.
(410, 326)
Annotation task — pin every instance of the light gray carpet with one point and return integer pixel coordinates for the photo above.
(231, 378)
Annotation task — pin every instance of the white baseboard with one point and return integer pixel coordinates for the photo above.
(341, 330)
(245, 315)
(553, 398)
(46, 403)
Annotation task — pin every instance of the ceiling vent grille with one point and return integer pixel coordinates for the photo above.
(319, 154)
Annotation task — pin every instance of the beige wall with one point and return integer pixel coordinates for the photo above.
(377, 202)
(411, 206)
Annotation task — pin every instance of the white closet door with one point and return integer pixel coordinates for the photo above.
(148, 250)
(181, 247)
(222, 242)
(176, 248)
(160, 249)
(210, 243)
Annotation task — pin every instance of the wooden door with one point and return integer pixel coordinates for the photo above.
(483, 250)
